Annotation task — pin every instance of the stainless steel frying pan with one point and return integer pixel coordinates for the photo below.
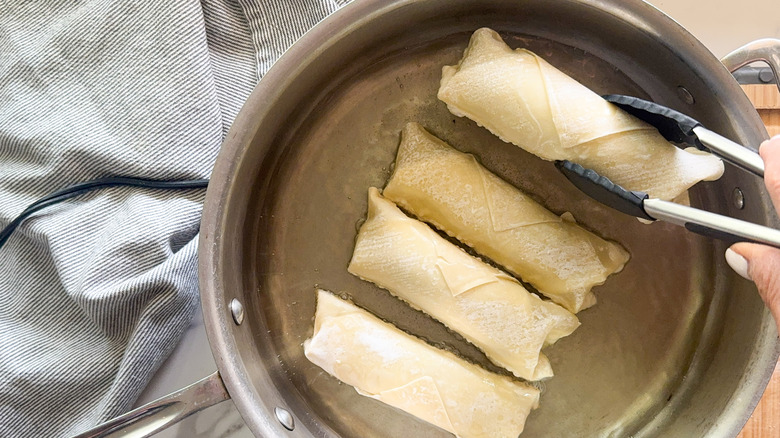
(677, 346)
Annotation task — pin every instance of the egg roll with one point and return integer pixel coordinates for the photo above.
(456, 194)
(486, 306)
(524, 100)
(388, 365)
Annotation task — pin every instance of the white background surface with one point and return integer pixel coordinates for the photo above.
(722, 25)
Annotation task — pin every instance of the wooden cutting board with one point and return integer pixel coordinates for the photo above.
(766, 99)
(765, 422)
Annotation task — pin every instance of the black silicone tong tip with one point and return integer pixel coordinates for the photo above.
(603, 190)
(673, 125)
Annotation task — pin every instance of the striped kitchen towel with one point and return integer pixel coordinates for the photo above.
(95, 292)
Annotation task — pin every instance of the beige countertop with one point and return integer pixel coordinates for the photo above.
(724, 25)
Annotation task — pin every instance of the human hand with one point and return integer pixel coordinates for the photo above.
(761, 263)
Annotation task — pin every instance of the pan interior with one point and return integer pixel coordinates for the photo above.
(612, 376)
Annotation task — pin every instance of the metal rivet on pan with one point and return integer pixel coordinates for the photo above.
(685, 95)
(237, 309)
(766, 76)
(738, 198)
(285, 418)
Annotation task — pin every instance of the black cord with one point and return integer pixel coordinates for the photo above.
(85, 187)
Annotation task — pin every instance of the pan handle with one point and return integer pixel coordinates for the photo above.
(163, 412)
(766, 50)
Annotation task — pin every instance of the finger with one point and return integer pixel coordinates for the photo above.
(759, 264)
(770, 153)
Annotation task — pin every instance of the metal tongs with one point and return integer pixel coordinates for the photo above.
(678, 128)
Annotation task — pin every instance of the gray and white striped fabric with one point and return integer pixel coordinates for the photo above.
(95, 292)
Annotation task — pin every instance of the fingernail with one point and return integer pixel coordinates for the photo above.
(738, 263)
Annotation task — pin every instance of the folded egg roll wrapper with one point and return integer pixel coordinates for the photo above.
(455, 193)
(524, 100)
(483, 304)
(388, 365)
